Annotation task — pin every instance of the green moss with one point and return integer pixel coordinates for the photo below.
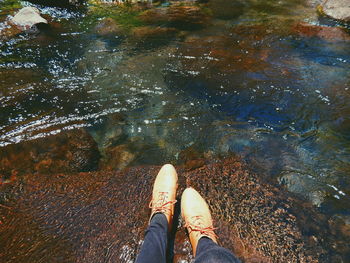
(206, 10)
(9, 7)
(124, 14)
(320, 10)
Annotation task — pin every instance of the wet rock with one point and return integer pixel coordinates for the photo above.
(336, 9)
(60, 3)
(314, 3)
(101, 216)
(226, 9)
(27, 20)
(191, 157)
(341, 229)
(118, 157)
(206, 62)
(67, 152)
(153, 35)
(108, 27)
(8, 30)
(327, 33)
(178, 16)
(111, 132)
(28, 17)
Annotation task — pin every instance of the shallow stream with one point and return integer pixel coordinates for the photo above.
(249, 82)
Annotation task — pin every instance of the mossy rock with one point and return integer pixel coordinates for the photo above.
(108, 27)
(124, 15)
(9, 6)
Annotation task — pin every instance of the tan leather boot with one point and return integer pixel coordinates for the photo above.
(198, 221)
(164, 193)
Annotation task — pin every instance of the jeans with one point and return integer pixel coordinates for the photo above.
(155, 244)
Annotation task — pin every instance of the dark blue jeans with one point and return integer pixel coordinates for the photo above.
(155, 244)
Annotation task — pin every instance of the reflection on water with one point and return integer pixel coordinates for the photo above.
(248, 83)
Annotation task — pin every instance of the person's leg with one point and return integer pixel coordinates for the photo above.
(198, 221)
(210, 252)
(155, 243)
(154, 246)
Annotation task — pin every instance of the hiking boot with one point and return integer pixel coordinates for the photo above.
(164, 192)
(198, 221)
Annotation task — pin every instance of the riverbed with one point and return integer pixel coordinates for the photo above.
(251, 78)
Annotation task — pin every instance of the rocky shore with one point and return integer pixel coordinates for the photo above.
(155, 24)
(101, 216)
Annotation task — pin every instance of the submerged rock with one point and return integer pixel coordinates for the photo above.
(227, 9)
(178, 16)
(28, 17)
(108, 27)
(118, 157)
(153, 35)
(102, 216)
(67, 152)
(60, 3)
(324, 32)
(336, 9)
(208, 64)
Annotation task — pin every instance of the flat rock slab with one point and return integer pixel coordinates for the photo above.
(337, 9)
(102, 216)
(67, 152)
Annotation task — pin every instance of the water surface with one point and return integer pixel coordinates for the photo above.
(247, 82)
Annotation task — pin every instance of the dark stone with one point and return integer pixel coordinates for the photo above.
(59, 3)
(149, 35)
(102, 216)
(117, 157)
(227, 9)
(67, 152)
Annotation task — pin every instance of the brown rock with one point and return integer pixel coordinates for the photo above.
(207, 59)
(227, 9)
(102, 216)
(187, 16)
(9, 30)
(67, 152)
(9, 78)
(118, 157)
(108, 27)
(178, 16)
(326, 33)
(153, 35)
(191, 158)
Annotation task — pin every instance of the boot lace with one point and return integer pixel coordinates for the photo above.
(161, 204)
(196, 224)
